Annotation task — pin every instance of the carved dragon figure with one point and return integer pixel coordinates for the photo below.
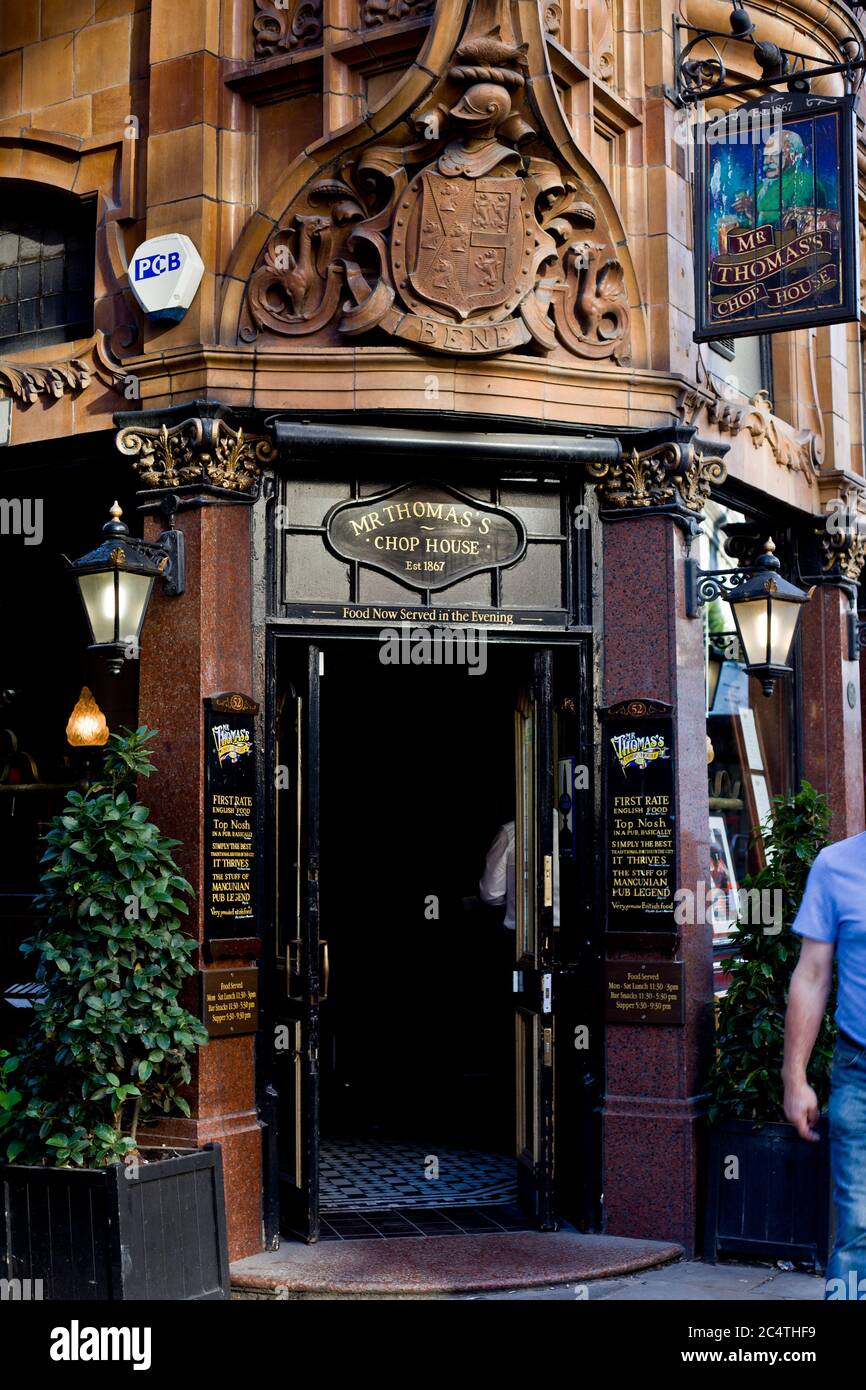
(600, 305)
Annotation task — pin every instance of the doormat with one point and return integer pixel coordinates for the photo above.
(371, 1176)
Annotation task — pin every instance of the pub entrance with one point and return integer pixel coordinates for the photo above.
(417, 1072)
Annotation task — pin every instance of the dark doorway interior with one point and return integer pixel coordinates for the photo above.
(417, 1030)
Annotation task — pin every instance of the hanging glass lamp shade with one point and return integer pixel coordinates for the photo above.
(115, 582)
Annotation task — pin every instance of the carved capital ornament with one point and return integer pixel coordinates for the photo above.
(197, 453)
(669, 475)
(842, 538)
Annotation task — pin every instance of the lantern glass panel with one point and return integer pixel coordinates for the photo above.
(767, 630)
(134, 595)
(783, 630)
(97, 591)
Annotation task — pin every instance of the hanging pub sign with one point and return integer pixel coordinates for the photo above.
(640, 829)
(775, 220)
(230, 819)
(425, 534)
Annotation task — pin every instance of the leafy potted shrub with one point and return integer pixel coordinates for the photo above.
(768, 1191)
(86, 1209)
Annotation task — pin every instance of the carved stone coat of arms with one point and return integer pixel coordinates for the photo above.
(463, 231)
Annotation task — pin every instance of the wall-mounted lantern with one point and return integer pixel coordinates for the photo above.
(116, 581)
(766, 608)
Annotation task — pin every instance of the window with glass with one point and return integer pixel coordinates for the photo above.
(750, 736)
(47, 249)
(550, 576)
(741, 365)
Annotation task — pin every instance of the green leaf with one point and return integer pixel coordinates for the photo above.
(112, 1008)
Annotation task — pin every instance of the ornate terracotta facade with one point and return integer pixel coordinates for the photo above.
(475, 211)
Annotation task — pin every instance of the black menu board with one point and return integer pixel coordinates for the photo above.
(231, 816)
(640, 827)
(640, 991)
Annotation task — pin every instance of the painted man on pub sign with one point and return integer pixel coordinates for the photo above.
(771, 224)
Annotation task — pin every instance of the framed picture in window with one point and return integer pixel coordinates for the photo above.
(756, 787)
(722, 892)
(763, 809)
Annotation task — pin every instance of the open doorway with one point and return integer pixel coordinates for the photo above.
(417, 1026)
(414, 1065)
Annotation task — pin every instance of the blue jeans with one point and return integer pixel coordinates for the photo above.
(846, 1269)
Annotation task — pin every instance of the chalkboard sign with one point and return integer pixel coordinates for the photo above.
(231, 813)
(640, 840)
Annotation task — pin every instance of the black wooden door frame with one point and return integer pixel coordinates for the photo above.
(583, 1205)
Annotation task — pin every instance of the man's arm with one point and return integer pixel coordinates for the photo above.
(807, 1003)
(494, 880)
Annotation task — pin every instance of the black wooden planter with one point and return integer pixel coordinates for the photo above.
(778, 1208)
(106, 1234)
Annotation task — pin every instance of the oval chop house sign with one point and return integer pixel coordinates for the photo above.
(425, 534)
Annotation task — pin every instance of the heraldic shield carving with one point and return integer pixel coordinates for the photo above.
(460, 231)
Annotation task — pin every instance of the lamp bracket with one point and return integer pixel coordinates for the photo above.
(700, 77)
(171, 549)
(702, 586)
(856, 634)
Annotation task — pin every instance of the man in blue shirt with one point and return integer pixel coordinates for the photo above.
(832, 920)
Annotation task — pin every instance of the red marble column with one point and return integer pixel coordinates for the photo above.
(655, 1074)
(197, 645)
(832, 733)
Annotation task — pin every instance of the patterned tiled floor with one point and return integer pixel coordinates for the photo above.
(377, 1176)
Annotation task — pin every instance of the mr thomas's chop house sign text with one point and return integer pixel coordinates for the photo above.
(427, 535)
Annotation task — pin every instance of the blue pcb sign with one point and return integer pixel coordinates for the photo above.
(164, 275)
(159, 263)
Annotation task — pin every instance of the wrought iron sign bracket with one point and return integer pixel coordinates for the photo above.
(703, 76)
